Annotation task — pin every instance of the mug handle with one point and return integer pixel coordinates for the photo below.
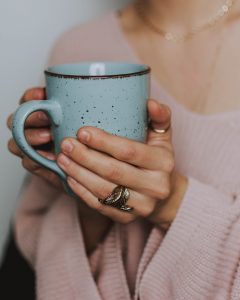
(53, 110)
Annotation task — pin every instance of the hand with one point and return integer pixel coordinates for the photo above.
(98, 161)
(38, 134)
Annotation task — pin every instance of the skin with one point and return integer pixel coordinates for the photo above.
(97, 161)
(184, 68)
(158, 201)
(94, 225)
(95, 167)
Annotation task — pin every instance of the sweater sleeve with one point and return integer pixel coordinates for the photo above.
(200, 254)
(38, 195)
(35, 200)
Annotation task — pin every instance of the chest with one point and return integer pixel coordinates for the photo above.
(207, 88)
(203, 75)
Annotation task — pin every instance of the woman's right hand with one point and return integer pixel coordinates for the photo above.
(38, 135)
(37, 131)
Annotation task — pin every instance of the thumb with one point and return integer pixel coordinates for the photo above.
(159, 118)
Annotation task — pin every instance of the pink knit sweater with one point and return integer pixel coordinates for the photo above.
(198, 258)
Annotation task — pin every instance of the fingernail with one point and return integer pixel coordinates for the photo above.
(63, 160)
(44, 134)
(166, 108)
(42, 116)
(67, 146)
(48, 155)
(51, 156)
(71, 181)
(84, 135)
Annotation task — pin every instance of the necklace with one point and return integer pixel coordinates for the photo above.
(176, 37)
(201, 99)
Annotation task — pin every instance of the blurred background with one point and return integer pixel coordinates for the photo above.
(28, 29)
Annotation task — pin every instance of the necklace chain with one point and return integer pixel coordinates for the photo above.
(176, 37)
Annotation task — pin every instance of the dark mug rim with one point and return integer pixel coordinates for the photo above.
(123, 75)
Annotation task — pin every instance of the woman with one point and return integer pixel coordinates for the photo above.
(181, 241)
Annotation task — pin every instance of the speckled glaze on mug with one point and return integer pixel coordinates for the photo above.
(108, 95)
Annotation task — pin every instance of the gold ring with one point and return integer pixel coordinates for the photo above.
(118, 199)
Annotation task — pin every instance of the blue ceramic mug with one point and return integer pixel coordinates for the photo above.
(108, 95)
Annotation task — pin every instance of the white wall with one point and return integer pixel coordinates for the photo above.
(28, 29)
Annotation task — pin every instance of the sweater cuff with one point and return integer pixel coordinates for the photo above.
(203, 206)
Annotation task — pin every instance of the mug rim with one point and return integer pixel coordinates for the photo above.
(121, 75)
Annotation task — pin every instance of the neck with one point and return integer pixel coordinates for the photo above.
(181, 14)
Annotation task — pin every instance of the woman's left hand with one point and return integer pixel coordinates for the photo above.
(97, 162)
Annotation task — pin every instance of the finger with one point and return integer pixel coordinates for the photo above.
(123, 149)
(37, 119)
(85, 195)
(159, 114)
(38, 170)
(37, 93)
(97, 185)
(103, 165)
(13, 148)
(160, 118)
(49, 177)
(48, 155)
(47, 174)
(116, 171)
(29, 164)
(33, 166)
(34, 137)
(37, 137)
(101, 188)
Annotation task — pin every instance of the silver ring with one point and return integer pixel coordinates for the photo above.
(118, 198)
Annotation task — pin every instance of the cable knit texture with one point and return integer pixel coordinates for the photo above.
(197, 259)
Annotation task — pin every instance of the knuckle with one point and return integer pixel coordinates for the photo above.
(128, 153)
(162, 191)
(165, 193)
(148, 210)
(102, 192)
(114, 172)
